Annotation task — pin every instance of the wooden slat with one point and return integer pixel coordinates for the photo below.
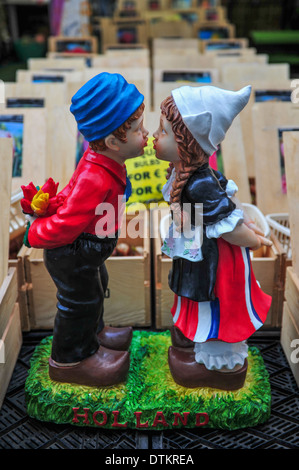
(54, 94)
(8, 297)
(233, 73)
(289, 340)
(11, 342)
(6, 153)
(273, 84)
(267, 119)
(34, 146)
(291, 150)
(234, 160)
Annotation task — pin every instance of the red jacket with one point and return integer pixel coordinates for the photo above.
(90, 204)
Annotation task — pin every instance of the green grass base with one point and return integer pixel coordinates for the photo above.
(150, 399)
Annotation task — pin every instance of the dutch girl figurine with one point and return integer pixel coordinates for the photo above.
(218, 303)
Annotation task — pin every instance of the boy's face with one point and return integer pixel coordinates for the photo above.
(165, 144)
(136, 140)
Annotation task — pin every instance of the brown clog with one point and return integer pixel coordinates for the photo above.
(118, 339)
(189, 373)
(103, 369)
(179, 340)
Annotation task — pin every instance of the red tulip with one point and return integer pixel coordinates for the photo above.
(29, 191)
(26, 206)
(50, 187)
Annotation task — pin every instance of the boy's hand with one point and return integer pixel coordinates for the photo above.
(169, 170)
(30, 218)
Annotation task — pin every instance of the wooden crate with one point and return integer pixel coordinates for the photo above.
(220, 60)
(234, 159)
(42, 76)
(23, 286)
(270, 85)
(48, 94)
(182, 59)
(267, 266)
(112, 32)
(129, 301)
(33, 147)
(236, 73)
(211, 74)
(166, 28)
(54, 64)
(290, 324)
(122, 57)
(214, 27)
(212, 14)
(291, 151)
(6, 152)
(59, 44)
(267, 119)
(173, 43)
(44, 160)
(10, 327)
(224, 44)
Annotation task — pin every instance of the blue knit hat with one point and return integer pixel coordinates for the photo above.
(103, 104)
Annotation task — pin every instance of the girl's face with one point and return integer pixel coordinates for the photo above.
(165, 144)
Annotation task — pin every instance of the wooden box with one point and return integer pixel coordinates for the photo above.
(290, 326)
(23, 286)
(223, 44)
(290, 322)
(267, 266)
(124, 31)
(65, 45)
(128, 301)
(221, 30)
(10, 330)
(269, 119)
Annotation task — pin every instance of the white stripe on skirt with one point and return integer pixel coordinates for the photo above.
(178, 309)
(256, 323)
(204, 321)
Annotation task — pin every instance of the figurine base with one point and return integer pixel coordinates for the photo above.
(150, 399)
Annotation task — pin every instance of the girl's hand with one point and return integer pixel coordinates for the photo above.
(260, 242)
(244, 236)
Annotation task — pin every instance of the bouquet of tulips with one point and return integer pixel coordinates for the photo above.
(39, 202)
(42, 201)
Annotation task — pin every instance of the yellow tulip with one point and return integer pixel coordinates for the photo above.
(40, 202)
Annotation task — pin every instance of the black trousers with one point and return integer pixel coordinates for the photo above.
(80, 275)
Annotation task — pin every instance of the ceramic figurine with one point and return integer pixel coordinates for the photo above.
(218, 303)
(76, 241)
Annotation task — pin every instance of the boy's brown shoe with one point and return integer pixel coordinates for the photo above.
(118, 339)
(103, 369)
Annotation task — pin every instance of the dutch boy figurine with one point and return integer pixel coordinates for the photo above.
(76, 241)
